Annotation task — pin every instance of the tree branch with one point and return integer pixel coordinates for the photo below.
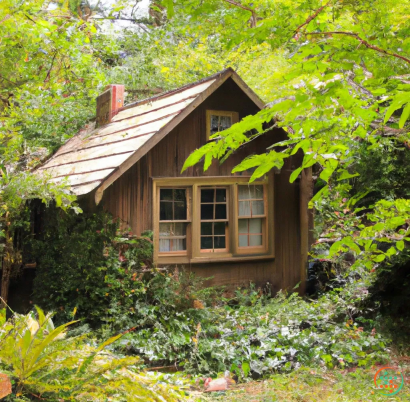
(312, 17)
(7, 17)
(362, 41)
(252, 11)
(49, 70)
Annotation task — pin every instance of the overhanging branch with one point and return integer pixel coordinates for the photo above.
(252, 11)
(362, 41)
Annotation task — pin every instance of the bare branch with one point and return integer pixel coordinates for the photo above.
(49, 70)
(8, 16)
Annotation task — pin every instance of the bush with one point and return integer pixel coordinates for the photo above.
(261, 335)
(84, 263)
(46, 364)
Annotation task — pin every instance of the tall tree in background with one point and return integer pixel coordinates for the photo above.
(49, 77)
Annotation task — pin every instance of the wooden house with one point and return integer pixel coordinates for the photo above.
(214, 223)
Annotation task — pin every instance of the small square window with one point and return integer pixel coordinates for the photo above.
(218, 120)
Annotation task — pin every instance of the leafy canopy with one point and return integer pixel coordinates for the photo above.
(342, 85)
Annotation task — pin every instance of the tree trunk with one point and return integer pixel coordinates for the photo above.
(7, 265)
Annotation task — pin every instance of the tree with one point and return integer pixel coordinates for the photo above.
(48, 80)
(342, 85)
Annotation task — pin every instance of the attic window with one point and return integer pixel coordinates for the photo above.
(218, 120)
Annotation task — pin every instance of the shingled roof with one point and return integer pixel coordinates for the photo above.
(94, 160)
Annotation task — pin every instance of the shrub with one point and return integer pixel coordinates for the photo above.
(261, 335)
(46, 364)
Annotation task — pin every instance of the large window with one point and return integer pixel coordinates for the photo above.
(205, 221)
(172, 219)
(251, 216)
(214, 219)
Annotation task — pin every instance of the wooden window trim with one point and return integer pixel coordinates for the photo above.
(233, 115)
(206, 252)
(193, 254)
(264, 247)
(157, 221)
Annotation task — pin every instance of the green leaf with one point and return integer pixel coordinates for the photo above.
(295, 174)
(322, 192)
(400, 245)
(400, 99)
(344, 175)
(379, 258)
(246, 368)
(169, 4)
(404, 116)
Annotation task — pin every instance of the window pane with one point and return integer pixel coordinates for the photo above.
(179, 195)
(172, 229)
(244, 192)
(219, 228)
(258, 192)
(207, 195)
(165, 194)
(243, 225)
(220, 195)
(207, 211)
(206, 243)
(164, 245)
(244, 208)
(165, 211)
(214, 124)
(165, 229)
(250, 192)
(220, 211)
(224, 122)
(243, 241)
(179, 211)
(206, 228)
(258, 208)
(178, 244)
(219, 242)
(179, 229)
(255, 225)
(255, 240)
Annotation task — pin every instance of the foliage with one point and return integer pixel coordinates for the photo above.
(171, 319)
(47, 364)
(49, 70)
(83, 263)
(264, 335)
(340, 93)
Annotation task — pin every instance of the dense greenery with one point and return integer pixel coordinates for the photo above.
(44, 363)
(335, 76)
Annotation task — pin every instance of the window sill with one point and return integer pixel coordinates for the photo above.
(183, 259)
(237, 258)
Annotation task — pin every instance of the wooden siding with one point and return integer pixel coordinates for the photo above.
(130, 196)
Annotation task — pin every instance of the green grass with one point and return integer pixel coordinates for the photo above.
(313, 385)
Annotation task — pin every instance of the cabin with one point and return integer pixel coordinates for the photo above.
(213, 223)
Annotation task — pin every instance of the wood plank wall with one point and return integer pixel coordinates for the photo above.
(130, 197)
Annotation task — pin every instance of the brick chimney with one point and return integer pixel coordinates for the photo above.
(109, 103)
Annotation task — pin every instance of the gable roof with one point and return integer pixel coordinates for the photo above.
(94, 160)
